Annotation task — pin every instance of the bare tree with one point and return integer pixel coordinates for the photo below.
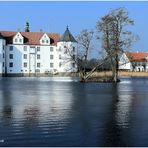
(84, 45)
(114, 36)
(81, 59)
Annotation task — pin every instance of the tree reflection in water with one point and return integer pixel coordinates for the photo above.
(118, 122)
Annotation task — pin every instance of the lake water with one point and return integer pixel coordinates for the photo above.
(64, 112)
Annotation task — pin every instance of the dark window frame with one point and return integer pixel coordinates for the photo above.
(11, 64)
(38, 65)
(10, 56)
(25, 64)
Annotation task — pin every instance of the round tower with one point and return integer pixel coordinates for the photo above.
(67, 48)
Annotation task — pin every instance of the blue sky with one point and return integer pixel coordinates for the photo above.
(55, 16)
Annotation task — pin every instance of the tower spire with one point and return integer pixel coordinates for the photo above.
(67, 36)
(27, 27)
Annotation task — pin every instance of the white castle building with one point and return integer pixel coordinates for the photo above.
(36, 53)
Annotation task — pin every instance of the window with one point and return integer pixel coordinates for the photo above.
(73, 49)
(11, 64)
(38, 65)
(46, 41)
(37, 70)
(51, 57)
(60, 64)
(51, 48)
(73, 65)
(38, 48)
(51, 65)
(38, 56)
(25, 48)
(25, 56)
(60, 56)
(3, 55)
(65, 52)
(11, 48)
(59, 48)
(3, 64)
(20, 40)
(42, 41)
(74, 57)
(3, 47)
(11, 56)
(15, 40)
(25, 64)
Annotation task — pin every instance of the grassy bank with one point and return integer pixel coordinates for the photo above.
(121, 73)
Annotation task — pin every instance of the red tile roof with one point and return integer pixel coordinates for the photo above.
(137, 56)
(30, 38)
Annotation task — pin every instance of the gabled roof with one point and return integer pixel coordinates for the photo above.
(67, 37)
(137, 56)
(30, 38)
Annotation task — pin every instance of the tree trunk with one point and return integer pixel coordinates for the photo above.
(115, 69)
(115, 78)
(82, 77)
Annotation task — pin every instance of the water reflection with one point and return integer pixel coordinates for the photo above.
(7, 109)
(120, 113)
(30, 116)
(124, 105)
(37, 108)
(41, 112)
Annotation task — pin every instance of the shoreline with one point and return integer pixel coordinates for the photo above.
(121, 74)
(101, 74)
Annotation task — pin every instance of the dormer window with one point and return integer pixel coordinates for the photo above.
(45, 40)
(18, 38)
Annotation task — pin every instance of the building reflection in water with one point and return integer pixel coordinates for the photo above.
(45, 104)
(35, 108)
(123, 105)
(53, 113)
(30, 115)
(6, 104)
